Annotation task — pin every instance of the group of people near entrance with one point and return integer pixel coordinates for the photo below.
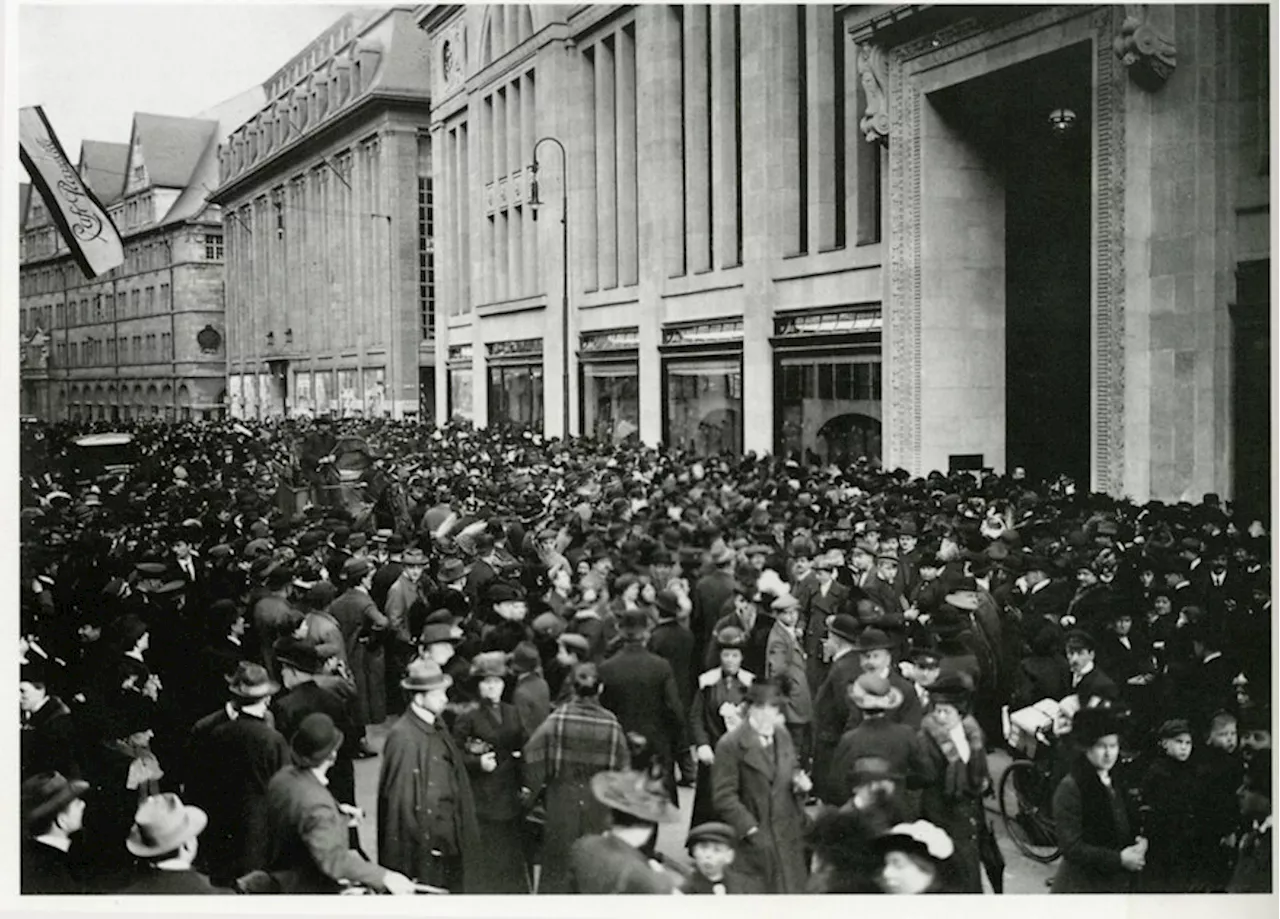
(545, 641)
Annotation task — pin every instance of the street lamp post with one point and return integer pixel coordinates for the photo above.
(564, 241)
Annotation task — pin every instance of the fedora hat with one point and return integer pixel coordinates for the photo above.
(634, 793)
(46, 794)
(317, 737)
(353, 569)
(162, 824)
(250, 681)
(489, 664)
(436, 632)
(844, 626)
(874, 693)
(525, 658)
(423, 675)
(667, 603)
(414, 556)
(872, 639)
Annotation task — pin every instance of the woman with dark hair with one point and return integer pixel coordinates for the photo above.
(1091, 811)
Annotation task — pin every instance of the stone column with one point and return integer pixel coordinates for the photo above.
(628, 254)
(821, 138)
(724, 114)
(697, 139)
(606, 166)
(443, 201)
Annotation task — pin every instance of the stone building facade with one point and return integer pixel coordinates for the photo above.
(327, 191)
(939, 236)
(147, 339)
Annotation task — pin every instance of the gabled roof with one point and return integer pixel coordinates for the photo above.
(171, 146)
(24, 195)
(102, 165)
(228, 116)
(406, 56)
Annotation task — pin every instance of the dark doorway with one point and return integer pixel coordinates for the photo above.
(1251, 390)
(1032, 123)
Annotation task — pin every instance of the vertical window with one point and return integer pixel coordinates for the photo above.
(841, 139)
(802, 112)
(213, 247)
(164, 298)
(426, 259)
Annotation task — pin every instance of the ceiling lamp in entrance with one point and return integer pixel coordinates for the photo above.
(1062, 121)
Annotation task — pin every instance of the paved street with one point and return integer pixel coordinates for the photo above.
(1022, 875)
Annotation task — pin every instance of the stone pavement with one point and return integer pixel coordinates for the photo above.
(1022, 875)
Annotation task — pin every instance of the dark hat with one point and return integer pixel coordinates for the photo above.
(1091, 723)
(437, 632)
(925, 657)
(317, 736)
(309, 541)
(952, 688)
(868, 769)
(872, 640)
(262, 566)
(845, 626)
(250, 681)
(451, 569)
(548, 624)
(948, 622)
(276, 577)
(298, 655)
(1174, 727)
(257, 547)
(414, 556)
(633, 624)
(489, 664)
(46, 794)
(576, 643)
(395, 543)
(730, 637)
(357, 541)
(162, 824)
(765, 692)
(221, 550)
(524, 658)
(667, 603)
(713, 831)
(320, 595)
(503, 592)
(150, 569)
(1079, 638)
(423, 675)
(354, 569)
(634, 793)
(128, 629)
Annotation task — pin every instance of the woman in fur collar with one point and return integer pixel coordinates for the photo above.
(1092, 816)
(955, 775)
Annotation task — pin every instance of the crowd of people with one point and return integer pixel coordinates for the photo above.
(539, 642)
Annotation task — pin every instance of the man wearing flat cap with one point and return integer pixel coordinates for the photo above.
(712, 847)
(427, 824)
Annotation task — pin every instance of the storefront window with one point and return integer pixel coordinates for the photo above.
(515, 395)
(704, 405)
(348, 393)
(324, 392)
(461, 393)
(375, 392)
(611, 400)
(830, 408)
(302, 404)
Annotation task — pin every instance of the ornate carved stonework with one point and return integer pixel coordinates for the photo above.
(903, 311)
(874, 76)
(452, 54)
(1145, 44)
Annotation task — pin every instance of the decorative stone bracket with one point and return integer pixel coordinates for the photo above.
(1144, 44)
(873, 72)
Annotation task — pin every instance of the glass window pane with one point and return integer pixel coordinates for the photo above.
(824, 381)
(611, 401)
(844, 381)
(461, 393)
(837, 420)
(706, 419)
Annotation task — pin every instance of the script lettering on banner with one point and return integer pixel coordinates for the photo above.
(78, 214)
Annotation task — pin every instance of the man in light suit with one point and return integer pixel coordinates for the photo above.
(785, 665)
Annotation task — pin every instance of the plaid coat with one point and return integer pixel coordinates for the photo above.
(577, 740)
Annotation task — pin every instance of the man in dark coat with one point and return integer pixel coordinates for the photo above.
(830, 599)
(759, 790)
(615, 861)
(427, 826)
(640, 689)
(165, 836)
(239, 758)
(307, 848)
(1087, 681)
(720, 690)
(673, 642)
(362, 625)
(710, 593)
(48, 738)
(831, 704)
(52, 812)
(273, 615)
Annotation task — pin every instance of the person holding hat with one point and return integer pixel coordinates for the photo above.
(427, 827)
(917, 857)
(1255, 851)
(579, 739)
(491, 739)
(52, 813)
(1170, 795)
(640, 688)
(615, 861)
(759, 788)
(362, 625)
(1093, 821)
(308, 847)
(165, 838)
(230, 765)
(955, 774)
(717, 708)
(712, 847)
(831, 704)
(1087, 681)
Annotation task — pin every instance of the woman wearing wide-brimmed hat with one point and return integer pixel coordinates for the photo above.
(491, 739)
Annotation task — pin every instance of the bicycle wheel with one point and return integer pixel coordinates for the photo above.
(1024, 808)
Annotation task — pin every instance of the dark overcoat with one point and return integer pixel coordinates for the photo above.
(500, 862)
(672, 642)
(1092, 824)
(604, 864)
(640, 689)
(425, 806)
(752, 790)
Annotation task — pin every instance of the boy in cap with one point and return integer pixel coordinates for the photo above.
(712, 847)
(1169, 797)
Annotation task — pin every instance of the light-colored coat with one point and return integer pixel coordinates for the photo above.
(784, 656)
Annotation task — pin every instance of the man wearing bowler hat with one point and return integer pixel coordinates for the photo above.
(427, 826)
(165, 837)
(832, 705)
(308, 848)
(52, 812)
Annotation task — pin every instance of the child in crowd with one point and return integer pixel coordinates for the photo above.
(1252, 872)
(713, 847)
(1220, 769)
(1169, 799)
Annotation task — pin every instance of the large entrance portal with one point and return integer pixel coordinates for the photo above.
(1019, 140)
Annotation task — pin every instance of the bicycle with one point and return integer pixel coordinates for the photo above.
(1026, 801)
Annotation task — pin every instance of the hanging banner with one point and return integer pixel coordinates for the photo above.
(78, 214)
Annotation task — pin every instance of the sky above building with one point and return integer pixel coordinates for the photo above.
(92, 65)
